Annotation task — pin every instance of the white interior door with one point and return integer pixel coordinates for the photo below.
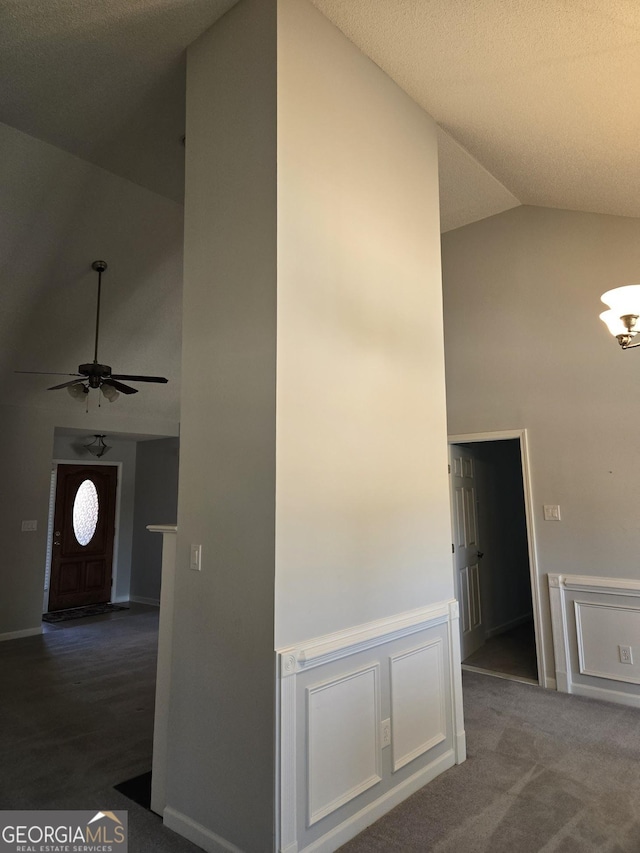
(466, 556)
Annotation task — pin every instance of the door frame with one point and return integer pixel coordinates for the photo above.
(521, 434)
(94, 463)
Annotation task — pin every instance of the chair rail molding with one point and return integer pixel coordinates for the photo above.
(340, 688)
(593, 619)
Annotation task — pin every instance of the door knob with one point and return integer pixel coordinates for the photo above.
(480, 554)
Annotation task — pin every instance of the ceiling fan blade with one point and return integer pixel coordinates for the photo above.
(47, 373)
(65, 384)
(139, 378)
(124, 389)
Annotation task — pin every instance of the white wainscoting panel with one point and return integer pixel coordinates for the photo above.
(344, 748)
(601, 629)
(418, 707)
(335, 776)
(591, 618)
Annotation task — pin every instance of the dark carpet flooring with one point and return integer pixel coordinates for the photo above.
(546, 773)
(511, 653)
(76, 718)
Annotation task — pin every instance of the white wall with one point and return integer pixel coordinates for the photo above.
(156, 502)
(525, 348)
(221, 749)
(342, 493)
(59, 215)
(363, 527)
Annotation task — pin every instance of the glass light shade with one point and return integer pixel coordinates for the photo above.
(110, 392)
(614, 323)
(623, 300)
(77, 391)
(97, 447)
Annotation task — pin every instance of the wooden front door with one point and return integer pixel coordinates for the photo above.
(84, 527)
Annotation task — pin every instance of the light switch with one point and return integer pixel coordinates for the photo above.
(196, 558)
(29, 526)
(551, 512)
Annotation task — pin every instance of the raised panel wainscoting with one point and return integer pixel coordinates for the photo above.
(596, 636)
(366, 717)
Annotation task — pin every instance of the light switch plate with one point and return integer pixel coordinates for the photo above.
(195, 563)
(551, 512)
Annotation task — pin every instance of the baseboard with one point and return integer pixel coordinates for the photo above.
(16, 635)
(550, 683)
(196, 833)
(139, 599)
(349, 828)
(508, 626)
(605, 694)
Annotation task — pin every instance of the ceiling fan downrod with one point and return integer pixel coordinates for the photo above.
(99, 267)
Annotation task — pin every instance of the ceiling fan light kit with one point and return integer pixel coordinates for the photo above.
(622, 317)
(94, 374)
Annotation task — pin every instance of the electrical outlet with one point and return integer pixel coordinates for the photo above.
(29, 526)
(551, 512)
(625, 653)
(385, 733)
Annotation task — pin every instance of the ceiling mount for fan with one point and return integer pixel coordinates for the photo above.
(95, 374)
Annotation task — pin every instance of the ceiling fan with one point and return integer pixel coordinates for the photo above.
(94, 374)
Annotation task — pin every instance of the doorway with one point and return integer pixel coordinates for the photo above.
(493, 555)
(83, 536)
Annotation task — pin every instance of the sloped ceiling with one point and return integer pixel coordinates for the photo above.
(536, 100)
(104, 79)
(542, 94)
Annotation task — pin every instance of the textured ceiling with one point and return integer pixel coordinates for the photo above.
(543, 93)
(104, 79)
(537, 99)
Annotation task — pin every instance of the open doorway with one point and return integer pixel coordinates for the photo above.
(493, 555)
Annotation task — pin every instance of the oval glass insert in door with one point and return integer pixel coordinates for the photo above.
(85, 512)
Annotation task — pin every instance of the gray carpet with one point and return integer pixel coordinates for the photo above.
(510, 653)
(546, 772)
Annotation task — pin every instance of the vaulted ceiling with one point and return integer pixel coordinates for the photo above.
(537, 101)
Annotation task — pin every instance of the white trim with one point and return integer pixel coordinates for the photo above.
(521, 434)
(139, 599)
(455, 681)
(364, 784)
(330, 647)
(369, 814)
(286, 767)
(197, 833)
(292, 661)
(560, 633)
(398, 762)
(17, 635)
(606, 694)
(607, 586)
(162, 528)
(550, 684)
(584, 670)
